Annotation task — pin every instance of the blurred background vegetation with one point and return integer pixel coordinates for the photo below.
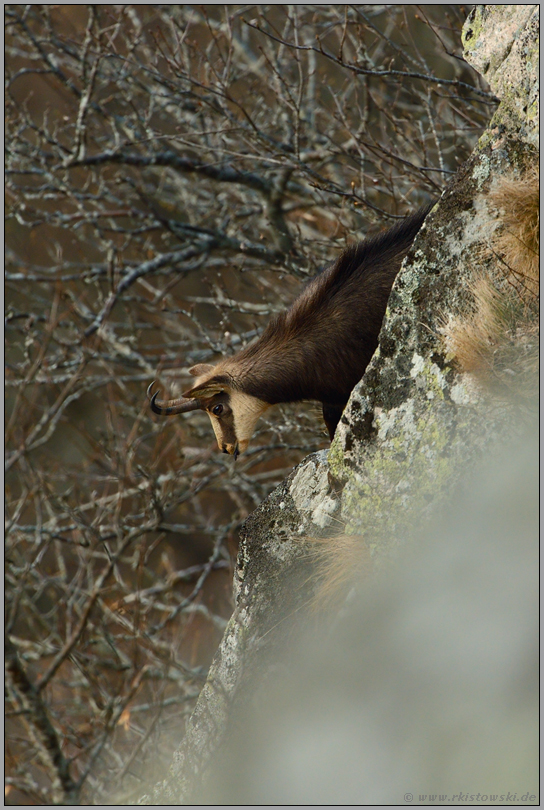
(173, 175)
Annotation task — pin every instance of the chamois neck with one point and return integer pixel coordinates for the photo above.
(281, 373)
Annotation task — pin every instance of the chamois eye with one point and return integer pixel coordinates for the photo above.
(217, 409)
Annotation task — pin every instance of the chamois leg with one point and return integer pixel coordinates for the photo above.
(331, 415)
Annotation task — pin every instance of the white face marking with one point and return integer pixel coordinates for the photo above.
(219, 435)
(234, 428)
(246, 411)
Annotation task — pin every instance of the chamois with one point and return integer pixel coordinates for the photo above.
(318, 349)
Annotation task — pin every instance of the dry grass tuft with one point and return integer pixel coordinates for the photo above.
(340, 561)
(517, 244)
(498, 341)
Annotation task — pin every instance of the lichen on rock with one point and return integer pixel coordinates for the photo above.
(410, 427)
(502, 43)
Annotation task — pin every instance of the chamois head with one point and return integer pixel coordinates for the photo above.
(233, 413)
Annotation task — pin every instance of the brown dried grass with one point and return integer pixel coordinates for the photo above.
(498, 340)
(341, 561)
(517, 243)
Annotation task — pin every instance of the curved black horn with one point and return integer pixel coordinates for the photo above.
(170, 406)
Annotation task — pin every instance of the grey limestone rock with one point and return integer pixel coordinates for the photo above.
(502, 42)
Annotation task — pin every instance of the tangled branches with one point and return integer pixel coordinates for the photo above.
(172, 174)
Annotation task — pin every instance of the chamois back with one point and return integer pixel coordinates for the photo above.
(319, 348)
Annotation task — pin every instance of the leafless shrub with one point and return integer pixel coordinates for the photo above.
(173, 173)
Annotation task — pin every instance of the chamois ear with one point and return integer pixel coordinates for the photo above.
(207, 389)
(200, 369)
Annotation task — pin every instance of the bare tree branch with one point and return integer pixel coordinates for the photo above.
(173, 175)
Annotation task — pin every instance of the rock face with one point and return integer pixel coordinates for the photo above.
(428, 678)
(502, 43)
(413, 425)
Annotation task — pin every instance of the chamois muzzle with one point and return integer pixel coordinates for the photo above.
(170, 406)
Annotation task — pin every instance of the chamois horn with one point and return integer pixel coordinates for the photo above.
(170, 406)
